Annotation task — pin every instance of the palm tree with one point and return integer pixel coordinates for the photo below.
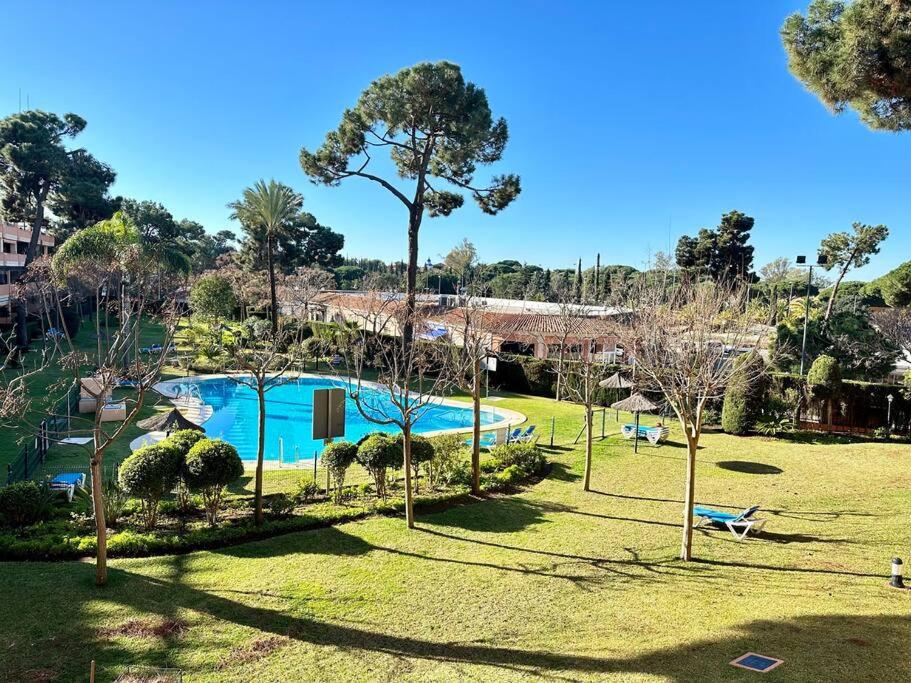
(268, 207)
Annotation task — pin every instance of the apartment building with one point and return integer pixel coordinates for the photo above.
(15, 239)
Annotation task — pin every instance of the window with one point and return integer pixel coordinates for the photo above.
(21, 247)
(7, 248)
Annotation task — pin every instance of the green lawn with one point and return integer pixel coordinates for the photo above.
(551, 583)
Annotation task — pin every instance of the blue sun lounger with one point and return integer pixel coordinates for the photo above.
(739, 525)
(527, 435)
(67, 482)
(513, 435)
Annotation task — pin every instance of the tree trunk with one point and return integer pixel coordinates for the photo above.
(409, 501)
(831, 303)
(476, 431)
(559, 370)
(101, 537)
(414, 226)
(260, 454)
(686, 547)
(586, 483)
(272, 297)
(30, 253)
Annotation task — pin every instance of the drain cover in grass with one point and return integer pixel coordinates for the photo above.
(753, 662)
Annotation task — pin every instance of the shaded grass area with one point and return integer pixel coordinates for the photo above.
(552, 583)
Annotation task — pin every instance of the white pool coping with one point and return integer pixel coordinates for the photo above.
(168, 389)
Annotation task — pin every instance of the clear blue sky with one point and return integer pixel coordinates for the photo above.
(629, 126)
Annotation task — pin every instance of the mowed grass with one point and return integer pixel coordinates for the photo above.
(553, 583)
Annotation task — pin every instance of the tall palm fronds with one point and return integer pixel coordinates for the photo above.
(268, 207)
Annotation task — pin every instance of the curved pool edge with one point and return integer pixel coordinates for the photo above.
(509, 418)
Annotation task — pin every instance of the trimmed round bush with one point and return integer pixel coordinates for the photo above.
(377, 453)
(24, 503)
(148, 474)
(337, 458)
(824, 377)
(210, 466)
(184, 439)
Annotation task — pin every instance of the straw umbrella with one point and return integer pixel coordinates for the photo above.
(637, 403)
(616, 381)
(168, 422)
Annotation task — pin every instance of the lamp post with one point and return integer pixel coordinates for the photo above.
(801, 263)
(889, 400)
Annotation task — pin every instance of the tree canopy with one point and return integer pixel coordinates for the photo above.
(435, 125)
(723, 253)
(846, 250)
(855, 55)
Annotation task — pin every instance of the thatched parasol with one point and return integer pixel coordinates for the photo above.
(616, 381)
(168, 422)
(637, 403)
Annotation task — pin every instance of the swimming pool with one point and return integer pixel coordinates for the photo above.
(289, 412)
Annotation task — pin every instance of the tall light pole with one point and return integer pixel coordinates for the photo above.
(889, 400)
(802, 263)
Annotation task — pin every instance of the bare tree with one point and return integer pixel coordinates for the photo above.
(410, 377)
(470, 332)
(580, 377)
(895, 324)
(260, 360)
(684, 343)
(301, 287)
(114, 263)
(250, 287)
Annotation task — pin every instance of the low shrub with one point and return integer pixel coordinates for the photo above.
(281, 505)
(148, 474)
(447, 449)
(210, 466)
(460, 475)
(307, 490)
(115, 502)
(773, 424)
(337, 458)
(25, 503)
(526, 456)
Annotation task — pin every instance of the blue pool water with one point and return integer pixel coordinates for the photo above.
(289, 412)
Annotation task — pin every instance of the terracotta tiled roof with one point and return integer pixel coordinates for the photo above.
(549, 329)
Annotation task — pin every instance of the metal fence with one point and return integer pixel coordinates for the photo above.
(29, 463)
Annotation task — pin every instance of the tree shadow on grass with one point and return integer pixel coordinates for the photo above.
(242, 486)
(823, 516)
(562, 472)
(508, 515)
(748, 467)
(815, 647)
(330, 540)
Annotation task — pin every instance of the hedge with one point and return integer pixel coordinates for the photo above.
(862, 405)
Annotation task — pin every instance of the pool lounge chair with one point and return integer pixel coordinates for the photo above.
(513, 435)
(527, 435)
(67, 482)
(739, 525)
(654, 435)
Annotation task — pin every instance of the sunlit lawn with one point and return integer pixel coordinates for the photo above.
(552, 583)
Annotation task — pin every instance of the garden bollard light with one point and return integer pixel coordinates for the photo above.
(896, 581)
